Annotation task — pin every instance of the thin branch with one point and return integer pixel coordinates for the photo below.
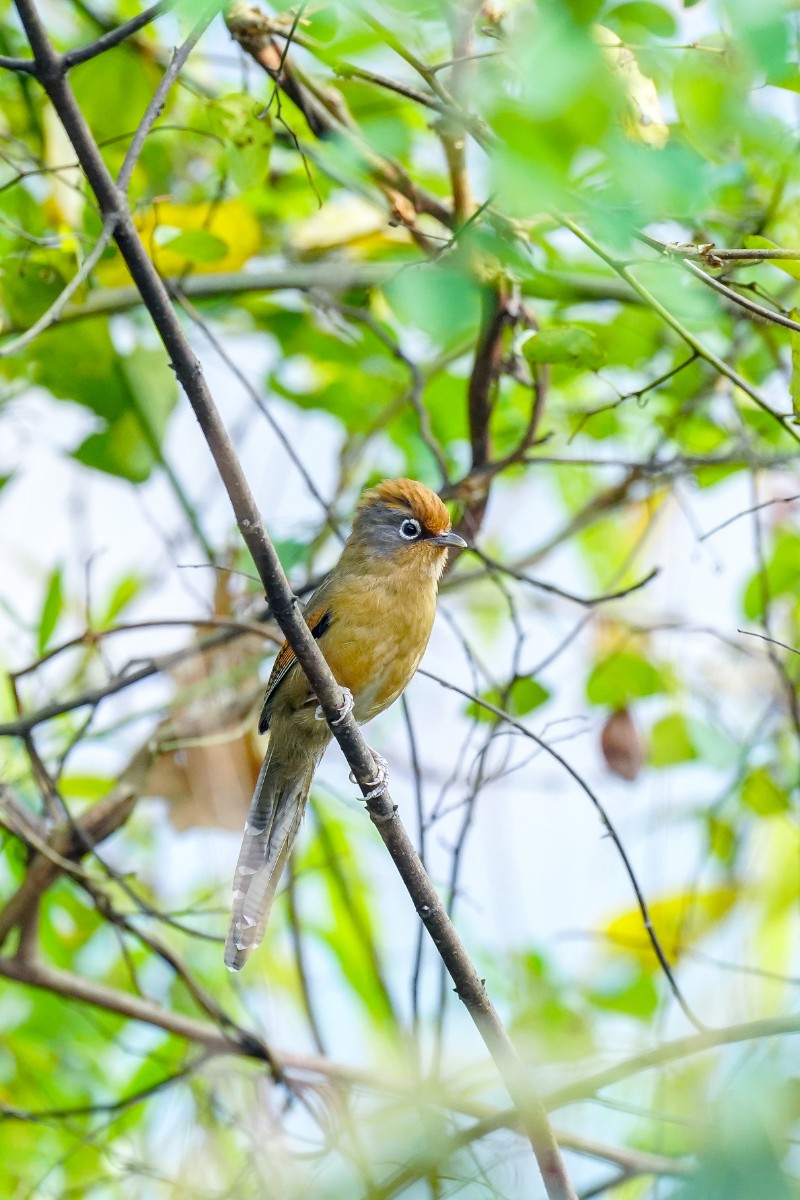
(713, 256)
(263, 408)
(747, 512)
(153, 111)
(606, 820)
(585, 601)
(252, 31)
(334, 276)
(114, 36)
(45, 1115)
(669, 1052)
(772, 640)
(691, 340)
(54, 311)
(87, 991)
(26, 66)
(633, 1162)
(92, 636)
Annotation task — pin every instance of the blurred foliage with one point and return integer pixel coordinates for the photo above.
(433, 239)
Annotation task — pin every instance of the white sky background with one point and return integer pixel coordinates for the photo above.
(537, 868)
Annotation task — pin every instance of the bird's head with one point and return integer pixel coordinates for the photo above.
(404, 524)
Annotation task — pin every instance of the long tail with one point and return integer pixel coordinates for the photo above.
(275, 814)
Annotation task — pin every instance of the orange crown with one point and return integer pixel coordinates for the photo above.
(412, 497)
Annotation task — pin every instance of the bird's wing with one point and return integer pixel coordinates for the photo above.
(318, 619)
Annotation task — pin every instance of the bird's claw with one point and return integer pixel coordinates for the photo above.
(379, 784)
(344, 711)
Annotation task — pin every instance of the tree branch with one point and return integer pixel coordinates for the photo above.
(468, 984)
(114, 36)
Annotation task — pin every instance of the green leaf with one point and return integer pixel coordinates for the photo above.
(565, 344)
(124, 592)
(119, 450)
(30, 286)
(722, 840)
(246, 130)
(52, 607)
(634, 995)
(710, 91)
(645, 15)
(292, 552)
(620, 678)
(86, 787)
(198, 245)
(440, 299)
(129, 445)
(782, 573)
(762, 795)
(671, 741)
(524, 695)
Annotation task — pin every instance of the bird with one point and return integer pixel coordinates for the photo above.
(372, 617)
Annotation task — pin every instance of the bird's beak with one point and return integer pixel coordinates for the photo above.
(447, 539)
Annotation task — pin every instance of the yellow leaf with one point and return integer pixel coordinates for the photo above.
(642, 118)
(348, 222)
(679, 921)
(230, 224)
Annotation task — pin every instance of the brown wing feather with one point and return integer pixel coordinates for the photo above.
(318, 621)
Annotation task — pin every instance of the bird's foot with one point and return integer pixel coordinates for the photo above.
(379, 784)
(345, 710)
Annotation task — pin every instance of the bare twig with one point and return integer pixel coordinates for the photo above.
(606, 820)
(117, 35)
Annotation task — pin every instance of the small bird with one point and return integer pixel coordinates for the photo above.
(372, 617)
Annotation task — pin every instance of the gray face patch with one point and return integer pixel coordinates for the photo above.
(379, 526)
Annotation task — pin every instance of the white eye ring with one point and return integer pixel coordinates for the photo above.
(410, 529)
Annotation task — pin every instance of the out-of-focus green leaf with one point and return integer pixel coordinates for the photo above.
(291, 552)
(85, 787)
(524, 695)
(620, 678)
(635, 995)
(565, 344)
(129, 445)
(346, 923)
(740, 1159)
(197, 245)
(642, 15)
(710, 91)
(722, 840)
(442, 300)
(762, 795)
(671, 741)
(246, 130)
(52, 607)
(780, 577)
(123, 594)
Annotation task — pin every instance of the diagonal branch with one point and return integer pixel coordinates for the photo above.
(468, 983)
(115, 36)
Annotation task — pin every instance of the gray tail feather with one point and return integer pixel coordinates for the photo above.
(275, 814)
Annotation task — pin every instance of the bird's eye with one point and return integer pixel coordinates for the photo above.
(410, 529)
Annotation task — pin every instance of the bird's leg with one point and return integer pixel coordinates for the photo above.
(377, 786)
(347, 707)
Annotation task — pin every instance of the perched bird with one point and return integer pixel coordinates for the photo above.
(372, 617)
